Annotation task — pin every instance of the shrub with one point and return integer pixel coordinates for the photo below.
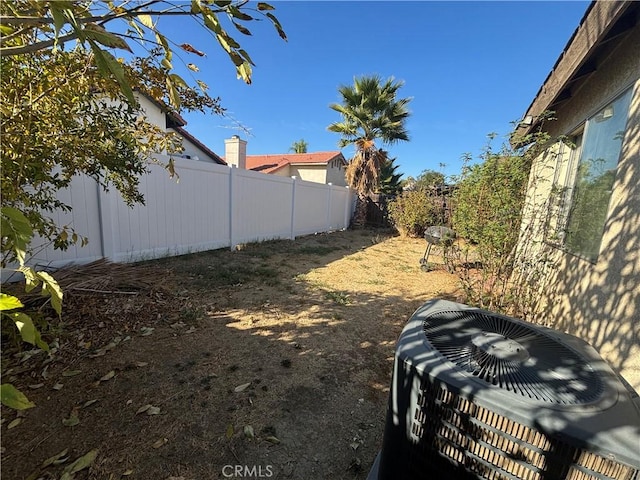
(412, 212)
(489, 202)
(496, 263)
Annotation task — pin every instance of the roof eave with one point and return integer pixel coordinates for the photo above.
(215, 157)
(573, 62)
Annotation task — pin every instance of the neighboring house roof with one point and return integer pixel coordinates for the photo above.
(273, 163)
(216, 158)
(592, 41)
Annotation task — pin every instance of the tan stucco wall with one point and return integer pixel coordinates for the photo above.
(599, 302)
(335, 174)
(332, 173)
(317, 174)
(284, 171)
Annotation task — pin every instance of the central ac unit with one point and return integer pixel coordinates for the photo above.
(475, 394)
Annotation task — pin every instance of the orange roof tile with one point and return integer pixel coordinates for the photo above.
(271, 163)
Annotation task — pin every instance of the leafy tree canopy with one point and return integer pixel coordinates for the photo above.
(67, 107)
(371, 112)
(68, 104)
(299, 147)
(428, 179)
(389, 183)
(29, 26)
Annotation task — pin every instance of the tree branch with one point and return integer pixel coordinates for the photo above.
(34, 47)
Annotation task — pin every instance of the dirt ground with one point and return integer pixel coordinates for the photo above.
(273, 361)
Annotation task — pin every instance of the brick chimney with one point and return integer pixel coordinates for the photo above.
(235, 152)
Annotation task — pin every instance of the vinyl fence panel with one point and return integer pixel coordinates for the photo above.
(208, 207)
(84, 220)
(311, 207)
(260, 206)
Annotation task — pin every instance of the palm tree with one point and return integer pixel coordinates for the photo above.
(389, 181)
(370, 112)
(299, 147)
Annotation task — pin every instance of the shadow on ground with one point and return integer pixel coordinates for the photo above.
(276, 366)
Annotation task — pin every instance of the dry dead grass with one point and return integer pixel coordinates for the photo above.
(306, 329)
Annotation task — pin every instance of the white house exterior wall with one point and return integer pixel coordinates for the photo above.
(153, 113)
(192, 150)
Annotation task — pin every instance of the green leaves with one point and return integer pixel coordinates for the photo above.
(242, 29)
(174, 96)
(11, 397)
(103, 37)
(244, 72)
(146, 21)
(16, 232)
(238, 56)
(9, 302)
(27, 329)
(61, 12)
(109, 66)
(28, 332)
(49, 286)
(277, 25)
(262, 6)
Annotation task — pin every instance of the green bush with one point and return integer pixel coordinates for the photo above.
(412, 212)
(493, 262)
(489, 202)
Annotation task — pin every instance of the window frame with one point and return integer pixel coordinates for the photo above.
(563, 189)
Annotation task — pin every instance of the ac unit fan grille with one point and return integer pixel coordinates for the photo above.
(513, 356)
(492, 446)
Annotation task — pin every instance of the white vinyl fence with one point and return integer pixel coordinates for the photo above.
(210, 206)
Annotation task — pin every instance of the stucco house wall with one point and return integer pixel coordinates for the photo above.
(158, 115)
(317, 167)
(153, 113)
(595, 299)
(332, 172)
(194, 152)
(335, 173)
(194, 149)
(284, 171)
(310, 173)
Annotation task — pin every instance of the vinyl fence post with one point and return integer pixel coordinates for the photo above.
(105, 219)
(329, 192)
(347, 207)
(292, 235)
(232, 176)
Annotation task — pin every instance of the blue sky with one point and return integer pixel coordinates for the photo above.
(471, 67)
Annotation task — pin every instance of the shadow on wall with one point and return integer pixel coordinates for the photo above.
(601, 303)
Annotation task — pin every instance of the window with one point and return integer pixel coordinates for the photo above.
(584, 188)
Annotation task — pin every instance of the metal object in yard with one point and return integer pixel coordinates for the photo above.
(436, 235)
(478, 395)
